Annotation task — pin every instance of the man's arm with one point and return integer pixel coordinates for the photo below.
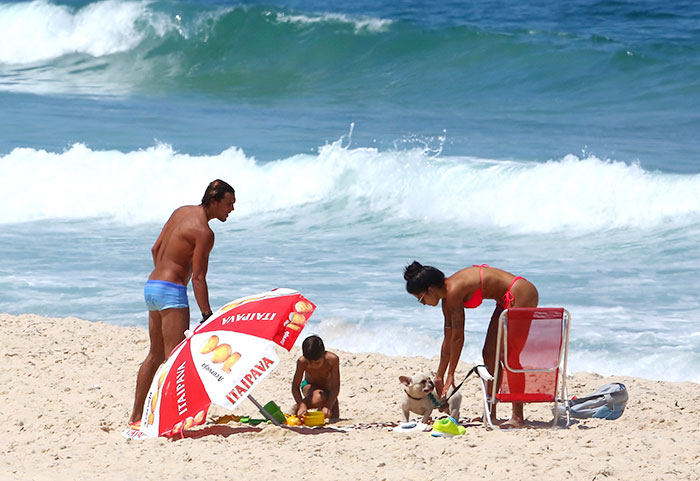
(200, 264)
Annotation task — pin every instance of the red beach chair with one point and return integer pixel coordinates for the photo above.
(531, 353)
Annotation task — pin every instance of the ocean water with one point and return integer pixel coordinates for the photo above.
(558, 142)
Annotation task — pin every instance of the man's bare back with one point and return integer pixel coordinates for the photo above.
(172, 252)
(183, 248)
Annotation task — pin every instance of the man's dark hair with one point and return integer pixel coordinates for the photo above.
(216, 190)
(313, 348)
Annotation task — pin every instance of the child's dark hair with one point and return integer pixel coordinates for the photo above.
(312, 348)
(419, 277)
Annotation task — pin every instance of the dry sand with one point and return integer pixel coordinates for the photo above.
(67, 389)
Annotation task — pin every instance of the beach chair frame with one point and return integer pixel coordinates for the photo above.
(501, 366)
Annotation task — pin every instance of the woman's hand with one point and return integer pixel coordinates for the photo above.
(326, 412)
(301, 410)
(448, 383)
(439, 384)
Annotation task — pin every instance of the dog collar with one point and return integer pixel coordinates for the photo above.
(433, 400)
(415, 398)
(430, 396)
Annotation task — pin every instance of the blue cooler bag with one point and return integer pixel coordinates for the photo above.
(608, 402)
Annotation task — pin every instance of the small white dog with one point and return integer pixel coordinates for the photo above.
(420, 398)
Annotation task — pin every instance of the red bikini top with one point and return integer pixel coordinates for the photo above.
(477, 298)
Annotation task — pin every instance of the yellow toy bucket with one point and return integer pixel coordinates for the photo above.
(314, 418)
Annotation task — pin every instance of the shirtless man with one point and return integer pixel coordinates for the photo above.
(316, 382)
(180, 253)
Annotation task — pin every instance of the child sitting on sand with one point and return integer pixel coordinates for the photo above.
(316, 382)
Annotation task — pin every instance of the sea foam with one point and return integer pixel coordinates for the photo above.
(581, 194)
(361, 23)
(39, 30)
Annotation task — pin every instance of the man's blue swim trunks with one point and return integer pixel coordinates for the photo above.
(161, 295)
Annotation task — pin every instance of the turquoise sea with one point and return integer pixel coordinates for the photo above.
(560, 142)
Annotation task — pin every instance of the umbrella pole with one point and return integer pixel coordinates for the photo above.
(264, 411)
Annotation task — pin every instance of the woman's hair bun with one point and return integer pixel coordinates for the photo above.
(412, 270)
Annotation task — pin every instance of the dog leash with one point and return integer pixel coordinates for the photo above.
(471, 371)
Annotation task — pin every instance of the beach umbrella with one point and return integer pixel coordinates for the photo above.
(222, 360)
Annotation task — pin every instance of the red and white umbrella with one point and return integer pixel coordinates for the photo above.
(222, 360)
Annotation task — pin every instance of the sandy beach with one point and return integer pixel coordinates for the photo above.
(67, 389)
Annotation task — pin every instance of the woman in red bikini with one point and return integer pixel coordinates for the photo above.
(466, 289)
